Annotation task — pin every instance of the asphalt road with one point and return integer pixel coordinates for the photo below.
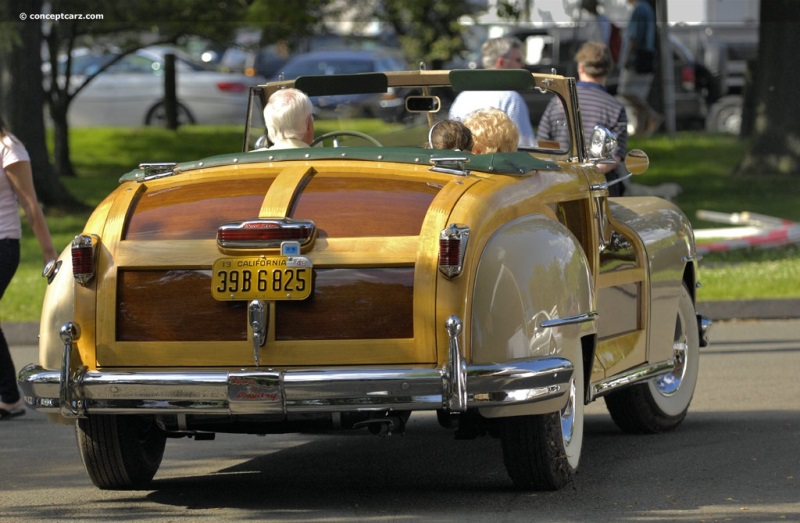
(735, 458)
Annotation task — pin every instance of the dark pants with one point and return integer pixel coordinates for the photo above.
(9, 261)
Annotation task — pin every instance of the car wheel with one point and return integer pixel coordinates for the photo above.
(542, 452)
(157, 115)
(725, 116)
(120, 452)
(661, 404)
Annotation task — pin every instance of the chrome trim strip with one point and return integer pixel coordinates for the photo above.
(632, 376)
(570, 320)
(270, 391)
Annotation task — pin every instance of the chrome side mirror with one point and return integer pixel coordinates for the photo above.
(636, 162)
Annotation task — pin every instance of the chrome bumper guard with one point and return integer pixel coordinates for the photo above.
(256, 391)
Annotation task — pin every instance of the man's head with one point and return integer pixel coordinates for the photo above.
(288, 116)
(502, 53)
(590, 5)
(594, 61)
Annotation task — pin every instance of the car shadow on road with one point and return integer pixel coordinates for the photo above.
(426, 472)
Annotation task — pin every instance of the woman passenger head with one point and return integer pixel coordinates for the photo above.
(493, 131)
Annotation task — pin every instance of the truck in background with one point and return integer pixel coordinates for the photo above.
(725, 50)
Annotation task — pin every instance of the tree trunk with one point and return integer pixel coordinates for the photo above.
(775, 130)
(61, 150)
(25, 106)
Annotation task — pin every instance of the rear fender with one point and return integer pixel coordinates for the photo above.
(532, 270)
(57, 309)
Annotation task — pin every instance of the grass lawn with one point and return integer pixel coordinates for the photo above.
(700, 163)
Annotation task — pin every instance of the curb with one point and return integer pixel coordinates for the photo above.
(750, 310)
(27, 333)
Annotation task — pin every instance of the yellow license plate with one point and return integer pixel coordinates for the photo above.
(261, 278)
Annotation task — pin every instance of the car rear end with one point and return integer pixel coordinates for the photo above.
(243, 294)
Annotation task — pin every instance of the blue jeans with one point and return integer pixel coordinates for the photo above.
(9, 261)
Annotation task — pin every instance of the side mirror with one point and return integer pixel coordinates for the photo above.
(637, 161)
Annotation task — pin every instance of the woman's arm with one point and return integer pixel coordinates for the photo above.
(21, 177)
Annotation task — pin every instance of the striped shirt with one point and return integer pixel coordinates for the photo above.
(597, 108)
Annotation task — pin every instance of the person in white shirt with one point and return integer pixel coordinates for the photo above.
(289, 119)
(499, 53)
(16, 190)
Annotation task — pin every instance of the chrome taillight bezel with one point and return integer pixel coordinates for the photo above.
(235, 235)
(452, 246)
(84, 257)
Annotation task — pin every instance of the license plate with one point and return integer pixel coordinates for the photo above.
(261, 278)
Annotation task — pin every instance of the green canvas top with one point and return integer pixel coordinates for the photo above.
(516, 163)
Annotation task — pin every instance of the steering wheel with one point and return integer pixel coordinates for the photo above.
(336, 134)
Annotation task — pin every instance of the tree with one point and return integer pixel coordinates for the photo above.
(23, 99)
(429, 30)
(292, 21)
(775, 129)
(125, 27)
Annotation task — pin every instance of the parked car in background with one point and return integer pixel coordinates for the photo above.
(262, 61)
(386, 105)
(344, 289)
(130, 92)
(725, 50)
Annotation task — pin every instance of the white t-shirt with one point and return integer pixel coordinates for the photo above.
(11, 152)
(510, 102)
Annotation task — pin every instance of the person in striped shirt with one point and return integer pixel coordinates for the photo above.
(598, 107)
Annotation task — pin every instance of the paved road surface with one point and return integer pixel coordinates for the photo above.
(735, 458)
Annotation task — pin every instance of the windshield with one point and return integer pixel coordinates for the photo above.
(403, 116)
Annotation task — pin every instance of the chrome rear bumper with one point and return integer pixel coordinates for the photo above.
(254, 391)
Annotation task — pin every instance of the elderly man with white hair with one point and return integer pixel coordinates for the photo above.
(290, 124)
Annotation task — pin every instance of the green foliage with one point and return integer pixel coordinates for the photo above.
(428, 30)
(702, 164)
(290, 21)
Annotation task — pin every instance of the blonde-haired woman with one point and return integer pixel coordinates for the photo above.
(492, 131)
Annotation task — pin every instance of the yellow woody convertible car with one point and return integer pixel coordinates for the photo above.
(349, 285)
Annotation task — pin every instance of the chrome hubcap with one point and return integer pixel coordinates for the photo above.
(668, 384)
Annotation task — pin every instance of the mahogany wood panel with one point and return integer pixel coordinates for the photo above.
(345, 206)
(366, 303)
(347, 303)
(175, 305)
(196, 210)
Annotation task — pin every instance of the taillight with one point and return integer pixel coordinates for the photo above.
(264, 233)
(83, 257)
(231, 87)
(687, 77)
(452, 246)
